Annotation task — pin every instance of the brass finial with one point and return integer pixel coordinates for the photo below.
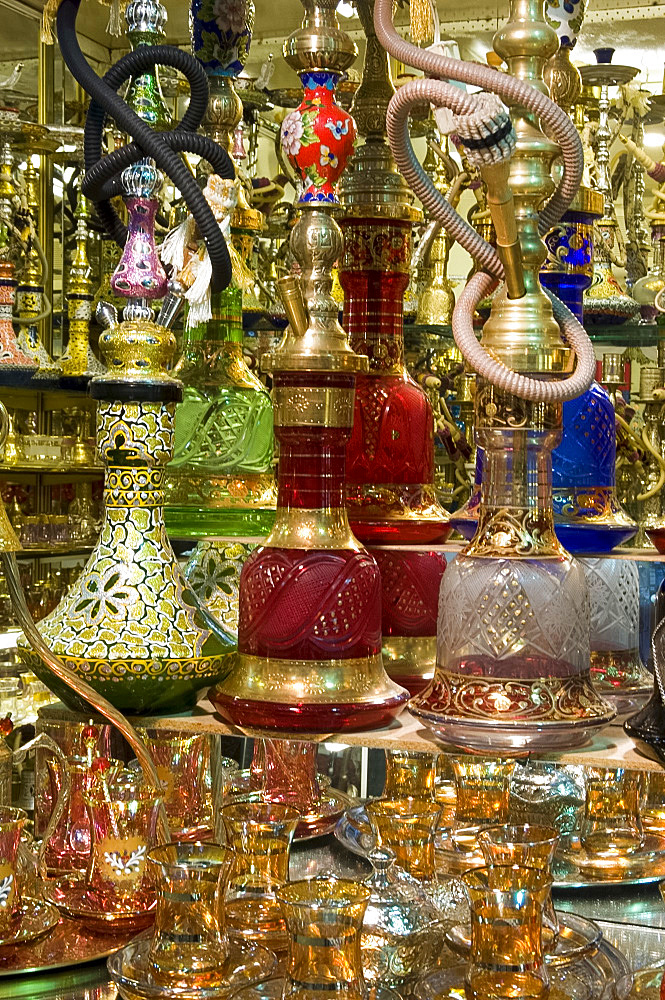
(523, 331)
(372, 186)
(80, 281)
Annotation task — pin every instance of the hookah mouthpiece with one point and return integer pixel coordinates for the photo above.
(489, 139)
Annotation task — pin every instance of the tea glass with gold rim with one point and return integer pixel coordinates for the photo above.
(507, 957)
(324, 918)
(529, 847)
(260, 835)
(189, 944)
(407, 826)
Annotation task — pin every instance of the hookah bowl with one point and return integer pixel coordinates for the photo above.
(309, 629)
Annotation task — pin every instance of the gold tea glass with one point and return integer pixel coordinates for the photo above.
(260, 835)
(407, 827)
(482, 789)
(184, 767)
(324, 918)
(123, 818)
(528, 846)
(507, 959)
(12, 822)
(189, 944)
(410, 774)
(611, 826)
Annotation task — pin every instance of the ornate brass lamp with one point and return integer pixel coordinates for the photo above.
(309, 631)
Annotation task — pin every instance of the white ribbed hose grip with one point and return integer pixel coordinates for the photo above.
(514, 91)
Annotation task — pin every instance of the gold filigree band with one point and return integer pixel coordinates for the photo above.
(312, 682)
(315, 406)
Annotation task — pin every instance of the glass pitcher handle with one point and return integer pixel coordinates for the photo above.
(43, 740)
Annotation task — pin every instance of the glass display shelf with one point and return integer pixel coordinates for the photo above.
(625, 334)
(610, 747)
(53, 551)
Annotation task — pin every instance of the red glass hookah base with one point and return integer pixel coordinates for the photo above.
(410, 583)
(319, 719)
(307, 604)
(399, 532)
(657, 536)
(393, 432)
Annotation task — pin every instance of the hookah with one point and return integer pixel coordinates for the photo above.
(604, 301)
(512, 667)
(31, 302)
(390, 458)
(220, 481)
(136, 402)
(79, 359)
(588, 516)
(309, 630)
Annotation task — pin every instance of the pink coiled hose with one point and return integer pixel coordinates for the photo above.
(513, 91)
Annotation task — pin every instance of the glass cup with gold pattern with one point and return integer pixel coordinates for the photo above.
(260, 834)
(507, 959)
(184, 767)
(123, 818)
(482, 788)
(529, 847)
(324, 918)
(189, 944)
(410, 774)
(611, 826)
(407, 827)
(12, 822)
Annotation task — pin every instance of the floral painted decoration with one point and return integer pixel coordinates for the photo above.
(318, 137)
(221, 32)
(566, 17)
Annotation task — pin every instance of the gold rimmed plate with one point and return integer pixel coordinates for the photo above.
(448, 984)
(72, 897)
(36, 919)
(245, 965)
(68, 944)
(646, 863)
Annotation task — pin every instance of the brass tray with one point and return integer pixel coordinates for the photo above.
(353, 832)
(70, 943)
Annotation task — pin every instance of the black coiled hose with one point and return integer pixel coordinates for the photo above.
(101, 180)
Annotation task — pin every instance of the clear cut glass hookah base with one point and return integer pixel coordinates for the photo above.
(513, 671)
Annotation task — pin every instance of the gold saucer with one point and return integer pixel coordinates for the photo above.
(649, 859)
(73, 897)
(37, 918)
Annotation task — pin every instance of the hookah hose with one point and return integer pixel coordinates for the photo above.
(485, 132)
(101, 181)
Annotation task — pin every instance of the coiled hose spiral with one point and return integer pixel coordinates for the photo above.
(102, 181)
(513, 91)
